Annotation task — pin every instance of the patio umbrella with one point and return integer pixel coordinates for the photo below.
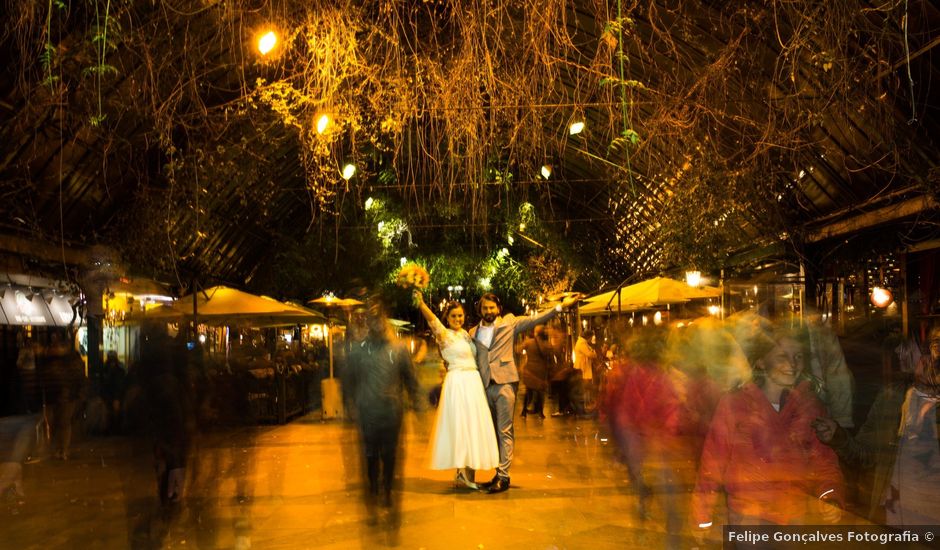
(162, 312)
(603, 308)
(649, 293)
(223, 305)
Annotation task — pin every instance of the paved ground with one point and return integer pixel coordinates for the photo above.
(298, 486)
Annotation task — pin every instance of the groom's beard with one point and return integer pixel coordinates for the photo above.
(489, 317)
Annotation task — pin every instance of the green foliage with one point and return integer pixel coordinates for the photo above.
(613, 81)
(47, 57)
(621, 25)
(99, 70)
(387, 177)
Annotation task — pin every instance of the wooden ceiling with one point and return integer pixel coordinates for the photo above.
(753, 124)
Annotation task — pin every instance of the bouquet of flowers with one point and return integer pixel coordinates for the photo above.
(413, 276)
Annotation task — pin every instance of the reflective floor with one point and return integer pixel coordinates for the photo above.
(299, 486)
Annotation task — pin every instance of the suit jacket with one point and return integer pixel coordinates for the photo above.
(496, 362)
(377, 374)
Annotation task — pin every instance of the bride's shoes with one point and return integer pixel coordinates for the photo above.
(461, 479)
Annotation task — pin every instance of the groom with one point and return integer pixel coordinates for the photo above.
(494, 338)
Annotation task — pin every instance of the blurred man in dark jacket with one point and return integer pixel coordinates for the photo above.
(160, 422)
(378, 372)
(62, 378)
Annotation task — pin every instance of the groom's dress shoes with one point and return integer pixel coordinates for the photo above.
(501, 484)
(487, 484)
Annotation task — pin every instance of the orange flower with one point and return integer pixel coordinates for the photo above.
(413, 276)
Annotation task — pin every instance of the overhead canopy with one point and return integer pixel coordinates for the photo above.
(25, 306)
(225, 305)
(704, 128)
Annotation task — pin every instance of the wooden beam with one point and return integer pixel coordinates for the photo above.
(926, 245)
(42, 251)
(872, 218)
(900, 63)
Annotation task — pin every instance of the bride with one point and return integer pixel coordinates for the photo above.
(464, 436)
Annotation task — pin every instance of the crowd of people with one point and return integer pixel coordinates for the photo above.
(52, 384)
(743, 421)
(750, 423)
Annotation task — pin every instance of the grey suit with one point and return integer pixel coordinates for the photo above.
(501, 377)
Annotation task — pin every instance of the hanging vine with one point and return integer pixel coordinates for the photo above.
(700, 117)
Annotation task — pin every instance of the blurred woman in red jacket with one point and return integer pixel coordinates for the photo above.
(761, 448)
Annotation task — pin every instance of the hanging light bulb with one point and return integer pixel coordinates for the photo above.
(349, 171)
(323, 123)
(267, 42)
(546, 171)
(693, 278)
(576, 128)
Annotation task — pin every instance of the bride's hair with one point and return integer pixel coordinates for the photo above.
(448, 307)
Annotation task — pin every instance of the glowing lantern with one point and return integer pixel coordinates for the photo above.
(881, 297)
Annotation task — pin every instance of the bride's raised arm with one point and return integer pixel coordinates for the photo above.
(437, 328)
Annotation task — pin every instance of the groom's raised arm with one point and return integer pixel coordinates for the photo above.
(525, 323)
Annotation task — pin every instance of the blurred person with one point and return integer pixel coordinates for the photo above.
(62, 377)
(899, 442)
(378, 373)
(464, 437)
(602, 367)
(494, 337)
(835, 383)
(644, 406)
(583, 383)
(159, 418)
(762, 451)
(713, 364)
(611, 351)
(18, 432)
(559, 371)
(26, 353)
(111, 390)
(748, 328)
(535, 368)
(434, 396)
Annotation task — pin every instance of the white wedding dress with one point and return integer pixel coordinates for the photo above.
(464, 435)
